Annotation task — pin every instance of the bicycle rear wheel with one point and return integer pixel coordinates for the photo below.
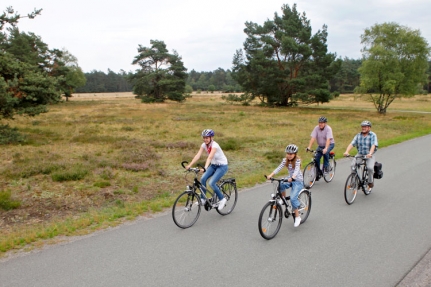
(229, 191)
(304, 198)
(270, 219)
(351, 188)
(329, 175)
(310, 174)
(186, 209)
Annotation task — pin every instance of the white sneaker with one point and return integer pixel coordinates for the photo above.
(222, 204)
(297, 221)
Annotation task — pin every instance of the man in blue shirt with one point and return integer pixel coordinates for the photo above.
(366, 144)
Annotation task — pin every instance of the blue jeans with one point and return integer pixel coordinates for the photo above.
(296, 186)
(325, 156)
(215, 172)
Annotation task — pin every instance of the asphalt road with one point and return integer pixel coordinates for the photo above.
(374, 242)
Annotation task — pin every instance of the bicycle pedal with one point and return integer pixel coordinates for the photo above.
(207, 206)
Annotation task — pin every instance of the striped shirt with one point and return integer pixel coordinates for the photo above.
(363, 144)
(293, 171)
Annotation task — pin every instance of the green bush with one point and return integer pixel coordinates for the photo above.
(75, 173)
(10, 135)
(274, 157)
(6, 203)
(102, 184)
(230, 144)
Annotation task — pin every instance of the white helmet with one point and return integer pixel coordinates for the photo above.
(291, 148)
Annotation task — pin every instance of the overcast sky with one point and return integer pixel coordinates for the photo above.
(105, 34)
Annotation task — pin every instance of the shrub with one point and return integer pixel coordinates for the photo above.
(105, 173)
(6, 203)
(75, 173)
(102, 184)
(274, 156)
(230, 144)
(10, 135)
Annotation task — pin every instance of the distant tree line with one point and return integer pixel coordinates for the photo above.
(344, 81)
(101, 82)
(218, 80)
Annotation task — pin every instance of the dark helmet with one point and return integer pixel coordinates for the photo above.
(291, 148)
(366, 123)
(323, 120)
(207, 133)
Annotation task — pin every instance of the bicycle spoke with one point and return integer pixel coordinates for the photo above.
(309, 175)
(230, 192)
(270, 220)
(186, 209)
(304, 198)
(351, 188)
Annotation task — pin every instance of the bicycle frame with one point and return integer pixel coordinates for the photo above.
(286, 201)
(271, 215)
(187, 206)
(357, 179)
(314, 158)
(211, 200)
(361, 170)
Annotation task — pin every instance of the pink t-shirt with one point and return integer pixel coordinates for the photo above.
(322, 135)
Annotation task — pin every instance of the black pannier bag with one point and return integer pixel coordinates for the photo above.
(378, 172)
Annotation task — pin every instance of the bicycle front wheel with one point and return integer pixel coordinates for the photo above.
(329, 175)
(304, 198)
(229, 191)
(186, 209)
(351, 188)
(365, 188)
(270, 219)
(309, 175)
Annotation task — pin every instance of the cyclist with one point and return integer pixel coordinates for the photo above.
(322, 134)
(295, 179)
(215, 165)
(366, 144)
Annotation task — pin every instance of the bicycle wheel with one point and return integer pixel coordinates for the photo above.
(351, 188)
(365, 188)
(270, 219)
(231, 194)
(309, 175)
(304, 198)
(186, 209)
(329, 175)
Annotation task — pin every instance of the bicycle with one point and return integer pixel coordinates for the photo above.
(312, 170)
(187, 206)
(271, 216)
(357, 179)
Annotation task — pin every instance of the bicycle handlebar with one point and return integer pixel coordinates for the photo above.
(281, 179)
(356, 156)
(196, 169)
(309, 150)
